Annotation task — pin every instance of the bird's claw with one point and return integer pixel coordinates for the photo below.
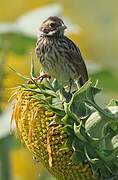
(39, 78)
(43, 76)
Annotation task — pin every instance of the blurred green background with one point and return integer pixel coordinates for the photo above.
(93, 26)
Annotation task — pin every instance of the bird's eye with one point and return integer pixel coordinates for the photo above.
(52, 24)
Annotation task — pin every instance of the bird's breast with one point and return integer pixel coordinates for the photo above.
(54, 60)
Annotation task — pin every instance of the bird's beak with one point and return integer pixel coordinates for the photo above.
(64, 26)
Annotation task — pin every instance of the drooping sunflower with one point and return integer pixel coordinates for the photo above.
(74, 139)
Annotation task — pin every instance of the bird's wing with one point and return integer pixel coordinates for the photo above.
(77, 61)
(73, 55)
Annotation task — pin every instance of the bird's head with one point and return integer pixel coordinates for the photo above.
(53, 26)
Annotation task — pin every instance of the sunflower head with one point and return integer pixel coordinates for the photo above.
(72, 141)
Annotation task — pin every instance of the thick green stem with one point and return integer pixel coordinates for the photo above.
(5, 172)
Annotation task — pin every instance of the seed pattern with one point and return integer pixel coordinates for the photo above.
(45, 141)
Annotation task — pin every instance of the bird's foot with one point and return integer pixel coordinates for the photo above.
(40, 78)
(67, 95)
(43, 76)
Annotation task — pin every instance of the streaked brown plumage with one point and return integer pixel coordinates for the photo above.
(59, 56)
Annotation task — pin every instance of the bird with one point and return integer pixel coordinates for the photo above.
(59, 56)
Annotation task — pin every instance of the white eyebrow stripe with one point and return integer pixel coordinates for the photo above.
(51, 32)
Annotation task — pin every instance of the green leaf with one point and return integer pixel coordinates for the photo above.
(86, 94)
(94, 160)
(78, 146)
(56, 86)
(32, 71)
(114, 126)
(77, 130)
(114, 141)
(107, 155)
(48, 92)
(70, 113)
(65, 119)
(98, 122)
(40, 97)
(56, 110)
(77, 157)
(91, 92)
(26, 87)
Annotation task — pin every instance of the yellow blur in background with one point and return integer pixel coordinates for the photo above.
(23, 166)
(98, 41)
(10, 10)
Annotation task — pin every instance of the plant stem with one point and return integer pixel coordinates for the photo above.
(4, 159)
